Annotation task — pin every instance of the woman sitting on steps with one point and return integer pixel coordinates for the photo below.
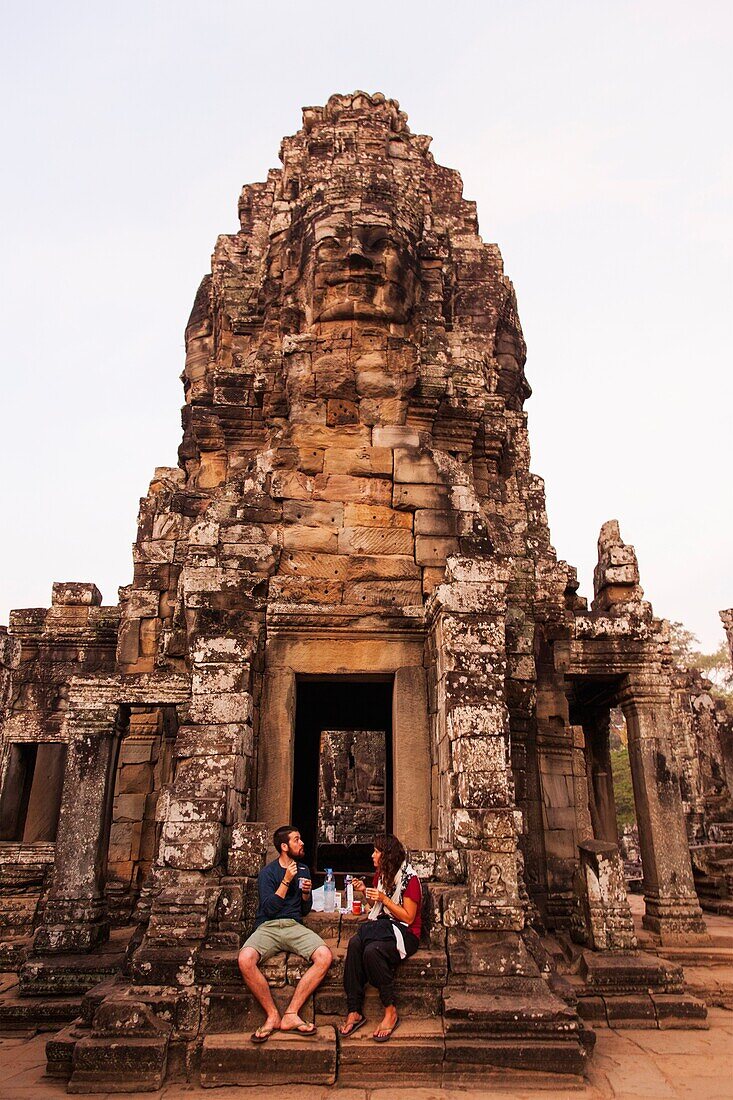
(391, 934)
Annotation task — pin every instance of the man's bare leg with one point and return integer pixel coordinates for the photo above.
(321, 959)
(256, 982)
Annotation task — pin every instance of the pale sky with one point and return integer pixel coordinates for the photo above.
(594, 137)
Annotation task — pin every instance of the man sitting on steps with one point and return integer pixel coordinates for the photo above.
(285, 898)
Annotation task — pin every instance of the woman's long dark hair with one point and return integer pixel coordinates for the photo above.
(393, 856)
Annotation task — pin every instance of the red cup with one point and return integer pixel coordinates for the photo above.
(356, 908)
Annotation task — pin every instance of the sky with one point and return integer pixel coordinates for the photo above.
(595, 139)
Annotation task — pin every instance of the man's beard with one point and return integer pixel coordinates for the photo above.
(294, 855)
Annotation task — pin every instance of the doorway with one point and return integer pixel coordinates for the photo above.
(342, 774)
(610, 790)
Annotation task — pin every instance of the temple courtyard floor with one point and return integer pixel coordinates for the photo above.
(657, 1065)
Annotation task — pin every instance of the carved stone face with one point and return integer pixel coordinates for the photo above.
(363, 271)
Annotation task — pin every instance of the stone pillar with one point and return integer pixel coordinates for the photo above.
(9, 662)
(209, 794)
(596, 728)
(672, 908)
(467, 644)
(608, 922)
(75, 917)
(581, 795)
(276, 747)
(411, 758)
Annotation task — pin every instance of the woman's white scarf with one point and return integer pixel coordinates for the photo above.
(401, 880)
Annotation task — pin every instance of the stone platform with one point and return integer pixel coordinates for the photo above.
(708, 968)
(282, 1060)
(431, 1055)
(454, 1028)
(638, 1064)
(49, 991)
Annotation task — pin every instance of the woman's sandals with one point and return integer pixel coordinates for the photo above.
(348, 1029)
(386, 1033)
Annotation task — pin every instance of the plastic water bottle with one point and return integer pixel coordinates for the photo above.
(329, 892)
(348, 893)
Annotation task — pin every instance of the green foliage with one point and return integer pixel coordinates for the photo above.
(622, 789)
(683, 644)
(715, 666)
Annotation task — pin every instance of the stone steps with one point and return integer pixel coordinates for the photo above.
(644, 1010)
(60, 1050)
(628, 990)
(74, 974)
(36, 1013)
(418, 1054)
(415, 1054)
(130, 1064)
(420, 982)
(283, 1060)
(529, 1013)
(419, 986)
(233, 1009)
(526, 1029)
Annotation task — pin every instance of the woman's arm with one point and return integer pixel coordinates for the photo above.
(405, 913)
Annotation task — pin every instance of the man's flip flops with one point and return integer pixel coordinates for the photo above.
(262, 1034)
(352, 1028)
(306, 1030)
(388, 1034)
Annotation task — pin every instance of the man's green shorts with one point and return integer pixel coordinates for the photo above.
(283, 935)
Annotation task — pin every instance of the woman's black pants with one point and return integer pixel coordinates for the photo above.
(372, 956)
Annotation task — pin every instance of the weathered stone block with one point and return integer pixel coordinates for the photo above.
(359, 490)
(75, 594)
(372, 515)
(363, 461)
(311, 538)
(414, 496)
(430, 521)
(431, 550)
(248, 847)
(375, 540)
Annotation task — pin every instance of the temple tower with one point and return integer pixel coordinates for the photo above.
(346, 611)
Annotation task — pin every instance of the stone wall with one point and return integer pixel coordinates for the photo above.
(703, 748)
(45, 649)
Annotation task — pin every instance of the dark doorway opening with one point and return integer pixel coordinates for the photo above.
(342, 775)
(610, 789)
(31, 798)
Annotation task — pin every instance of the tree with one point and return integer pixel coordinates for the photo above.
(623, 791)
(683, 644)
(715, 666)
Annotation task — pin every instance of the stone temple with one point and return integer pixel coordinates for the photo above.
(346, 611)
